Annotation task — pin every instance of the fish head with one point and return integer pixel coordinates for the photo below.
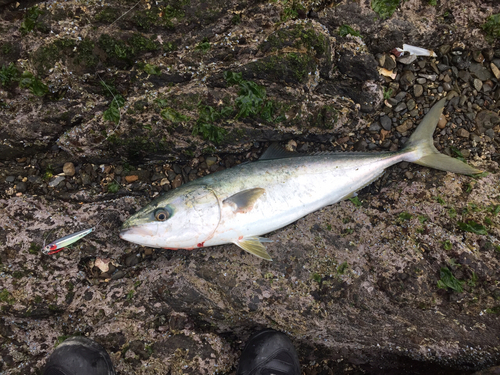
(183, 218)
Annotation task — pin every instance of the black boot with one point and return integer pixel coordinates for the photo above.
(79, 356)
(269, 352)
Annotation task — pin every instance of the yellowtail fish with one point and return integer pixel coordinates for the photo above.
(240, 204)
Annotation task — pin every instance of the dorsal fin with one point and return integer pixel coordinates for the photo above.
(275, 151)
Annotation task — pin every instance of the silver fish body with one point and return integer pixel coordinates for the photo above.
(240, 204)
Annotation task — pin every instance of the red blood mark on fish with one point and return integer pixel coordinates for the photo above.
(201, 244)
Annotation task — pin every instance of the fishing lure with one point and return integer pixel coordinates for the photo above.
(61, 243)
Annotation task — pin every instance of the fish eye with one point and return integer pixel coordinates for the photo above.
(161, 214)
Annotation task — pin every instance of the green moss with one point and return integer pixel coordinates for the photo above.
(6, 297)
(6, 48)
(34, 248)
(385, 8)
(447, 245)
(113, 187)
(473, 227)
(107, 15)
(492, 27)
(124, 52)
(356, 201)
(404, 216)
(300, 37)
(36, 86)
(449, 281)
(205, 125)
(30, 21)
(17, 274)
(345, 30)
(342, 268)
(8, 74)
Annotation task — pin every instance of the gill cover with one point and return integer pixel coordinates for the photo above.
(183, 218)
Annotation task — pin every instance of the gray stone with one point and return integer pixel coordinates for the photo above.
(480, 72)
(478, 84)
(451, 94)
(464, 75)
(407, 78)
(10, 178)
(421, 80)
(386, 122)
(400, 107)
(407, 59)
(21, 186)
(418, 90)
(400, 96)
(410, 104)
(375, 127)
(56, 181)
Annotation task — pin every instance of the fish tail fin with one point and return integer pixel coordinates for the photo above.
(420, 147)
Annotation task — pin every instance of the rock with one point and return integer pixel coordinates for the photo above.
(10, 178)
(477, 56)
(442, 122)
(400, 96)
(407, 78)
(407, 59)
(211, 160)
(56, 181)
(400, 107)
(131, 260)
(421, 80)
(480, 72)
(177, 181)
(410, 104)
(69, 169)
(446, 86)
(418, 90)
(495, 70)
(463, 133)
(478, 84)
(131, 178)
(21, 186)
(451, 94)
(389, 62)
(375, 127)
(404, 127)
(487, 119)
(464, 75)
(361, 67)
(386, 122)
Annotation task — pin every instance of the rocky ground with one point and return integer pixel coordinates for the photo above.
(103, 106)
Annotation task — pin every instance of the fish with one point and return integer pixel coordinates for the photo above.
(61, 243)
(240, 204)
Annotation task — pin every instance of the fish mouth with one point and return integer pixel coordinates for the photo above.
(134, 233)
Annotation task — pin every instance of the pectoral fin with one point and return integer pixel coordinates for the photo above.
(254, 246)
(243, 201)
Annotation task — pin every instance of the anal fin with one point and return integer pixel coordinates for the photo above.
(254, 246)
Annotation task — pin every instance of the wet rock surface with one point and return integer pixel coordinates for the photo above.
(140, 104)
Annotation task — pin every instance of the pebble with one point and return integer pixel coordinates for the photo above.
(56, 181)
(480, 72)
(407, 59)
(463, 133)
(400, 107)
(131, 178)
(446, 86)
(407, 78)
(418, 90)
(211, 160)
(404, 127)
(451, 94)
(400, 96)
(10, 178)
(421, 80)
(478, 85)
(464, 75)
(177, 181)
(69, 169)
(386, 122)
(375, 127)
(131, 260)
(410, 104)
(442, 122)
(21, 186)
